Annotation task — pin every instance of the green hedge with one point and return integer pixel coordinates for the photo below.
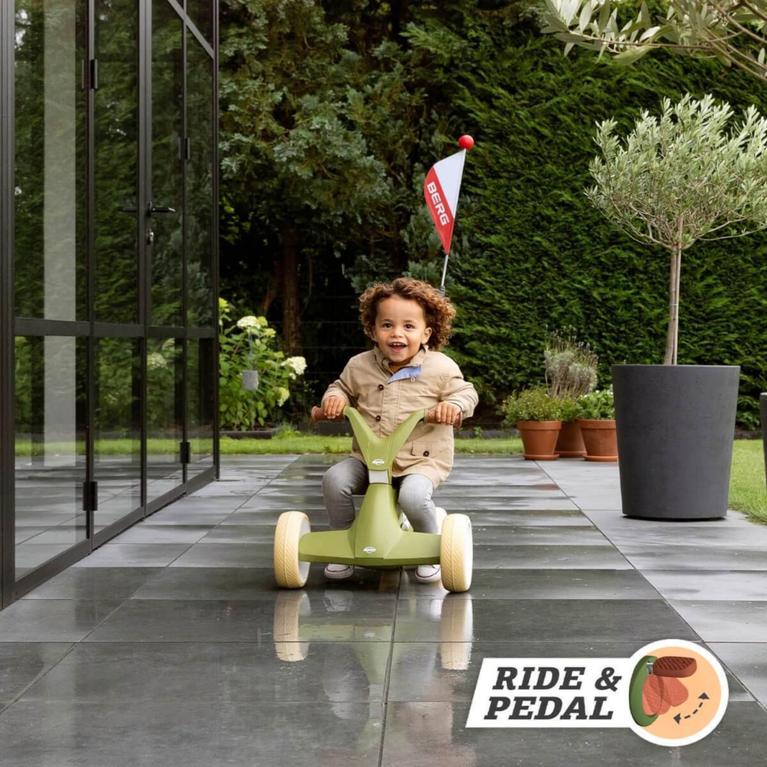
(541, 258)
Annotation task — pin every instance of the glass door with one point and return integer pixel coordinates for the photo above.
(50, 288)
(200, 250)
(116, 381)
(164, 230)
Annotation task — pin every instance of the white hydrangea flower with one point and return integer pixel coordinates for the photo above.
(283, 395)
(155, 361)
(247, 322)
(296, 364)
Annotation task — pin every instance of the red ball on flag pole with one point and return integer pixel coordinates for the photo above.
(466, 141)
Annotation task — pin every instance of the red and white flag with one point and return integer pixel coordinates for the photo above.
(441, 188)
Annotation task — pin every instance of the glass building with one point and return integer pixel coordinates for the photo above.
(108, 271)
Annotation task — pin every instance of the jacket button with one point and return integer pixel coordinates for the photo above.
(378, 418)
(380, 387)
(426, 452)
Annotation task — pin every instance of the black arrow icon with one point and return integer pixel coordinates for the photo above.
(702, 697)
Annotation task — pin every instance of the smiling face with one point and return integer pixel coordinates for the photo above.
(400, 329)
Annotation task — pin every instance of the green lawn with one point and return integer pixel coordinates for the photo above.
(748, 492)
(747, 486)
(292, 442)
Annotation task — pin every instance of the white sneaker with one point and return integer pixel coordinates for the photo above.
(427, 573)
(338, 572)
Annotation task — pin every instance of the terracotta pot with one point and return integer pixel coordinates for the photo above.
(570, 441)
(600, 438)
(539, 439)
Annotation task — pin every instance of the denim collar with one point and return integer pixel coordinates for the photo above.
(411, 371)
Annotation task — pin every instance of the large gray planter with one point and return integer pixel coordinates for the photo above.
(763, 408)
(676, 425)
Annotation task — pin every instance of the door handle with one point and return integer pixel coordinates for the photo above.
(153, 210)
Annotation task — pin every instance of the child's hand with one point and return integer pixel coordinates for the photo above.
(446, 412)
(333, 407)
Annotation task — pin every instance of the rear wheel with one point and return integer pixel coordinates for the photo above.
(289, 571)
(456, 553)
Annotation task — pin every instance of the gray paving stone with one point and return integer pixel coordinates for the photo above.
(190, 733)
(87, 583)
(710, 585)
(147, 532)
(219, 673)
(226, 555)
(556, 535)
(345, 618)
(22, 663)
(549, 557)
(725, 621)
(53, 620)
(134, 555)
(526, 517)
(555, 619)
(242, 583)
(651, 557)
(538, 584)
(748, 660)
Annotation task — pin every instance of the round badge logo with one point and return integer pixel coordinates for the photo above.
(678, 692)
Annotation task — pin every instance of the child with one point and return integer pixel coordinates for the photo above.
(408, 320)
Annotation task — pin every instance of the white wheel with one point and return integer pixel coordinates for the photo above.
(289, 571)
(456, 629)
(441, 514)
(288, 609)
(456, 555)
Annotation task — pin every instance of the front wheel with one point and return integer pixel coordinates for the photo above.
(456, 556)
(289, 571)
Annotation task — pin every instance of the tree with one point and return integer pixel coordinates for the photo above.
(731, 30)
(296, 166)
(682, 178)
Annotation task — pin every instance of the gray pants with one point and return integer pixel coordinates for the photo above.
(350, 477)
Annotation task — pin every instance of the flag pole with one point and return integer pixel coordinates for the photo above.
(444, 274)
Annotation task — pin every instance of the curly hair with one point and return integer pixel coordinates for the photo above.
(437, 309)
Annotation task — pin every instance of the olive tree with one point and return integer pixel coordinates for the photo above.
(685, 176)
(733, 31)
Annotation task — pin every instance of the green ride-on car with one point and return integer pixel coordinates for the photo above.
(376, 537)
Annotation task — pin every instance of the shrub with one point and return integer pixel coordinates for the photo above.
(569, 409)
(250, 344)
(570, 365)
(534, 404)
(597, 405)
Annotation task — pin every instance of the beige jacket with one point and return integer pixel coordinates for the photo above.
(365, 384)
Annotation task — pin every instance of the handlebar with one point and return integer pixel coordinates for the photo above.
(316, 415)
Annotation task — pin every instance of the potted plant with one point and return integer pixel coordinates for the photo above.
(675, 180)
(537, 416)
(571, 370)
(254, 376)
(596, 417)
